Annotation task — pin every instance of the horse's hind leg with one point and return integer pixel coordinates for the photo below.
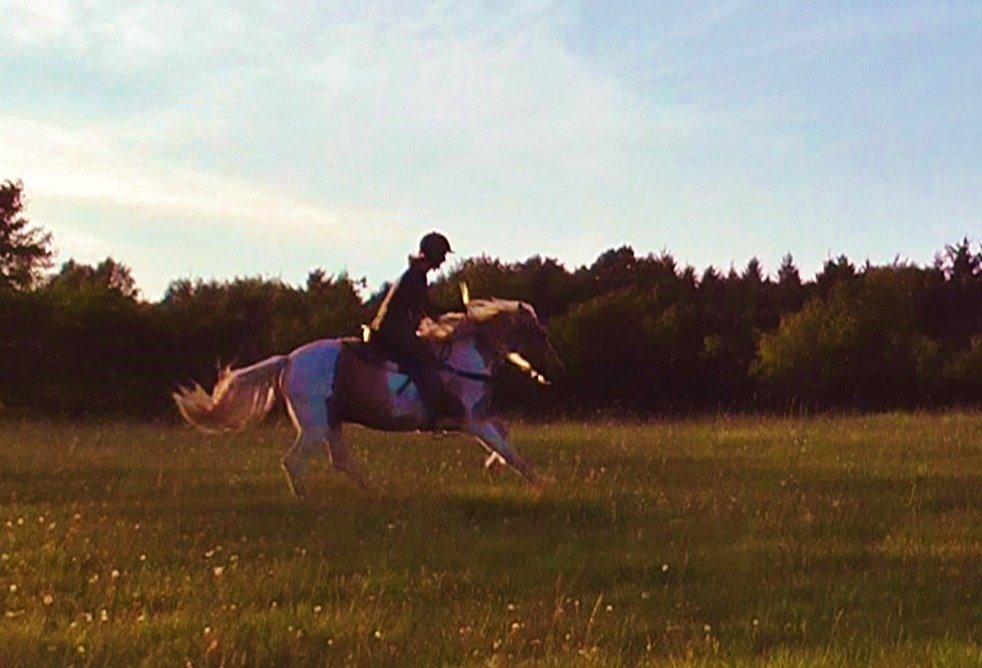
(296, 461)
(311, 421)
(342, 458)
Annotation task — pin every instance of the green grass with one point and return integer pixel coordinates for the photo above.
(848, 540)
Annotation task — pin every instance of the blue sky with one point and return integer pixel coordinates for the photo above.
(215, 139)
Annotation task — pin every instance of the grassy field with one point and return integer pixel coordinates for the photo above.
(807, 541)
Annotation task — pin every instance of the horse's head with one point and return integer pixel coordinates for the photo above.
(529, 346)
(512, 329)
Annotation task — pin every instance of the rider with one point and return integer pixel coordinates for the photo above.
(398, 318)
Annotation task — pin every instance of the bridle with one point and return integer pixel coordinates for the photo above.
(498, 356)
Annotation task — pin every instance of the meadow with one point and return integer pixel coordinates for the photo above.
(739, 540)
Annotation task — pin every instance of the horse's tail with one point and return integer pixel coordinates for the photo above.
(241, 397)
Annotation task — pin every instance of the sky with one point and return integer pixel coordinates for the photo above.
(222, 139)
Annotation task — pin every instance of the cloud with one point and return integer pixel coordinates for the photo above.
(84, 166)
(121, 35)
(34, 24)
(804, 31)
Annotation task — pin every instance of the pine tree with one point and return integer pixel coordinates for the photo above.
(25, 252)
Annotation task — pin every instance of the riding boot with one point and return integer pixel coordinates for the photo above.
(451, 414)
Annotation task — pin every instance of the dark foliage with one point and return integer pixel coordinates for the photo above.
(82, 342)
(635, 332)
(25, 252)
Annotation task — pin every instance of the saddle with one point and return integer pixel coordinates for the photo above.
(371, 353)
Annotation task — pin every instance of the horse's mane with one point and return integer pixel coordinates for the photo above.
(479, 311)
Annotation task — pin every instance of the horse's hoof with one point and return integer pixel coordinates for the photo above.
(298, 493)
(297, 488)
(493, 461)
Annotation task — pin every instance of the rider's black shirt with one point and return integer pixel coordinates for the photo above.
(405, 305)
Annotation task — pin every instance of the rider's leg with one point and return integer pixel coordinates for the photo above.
(422, 364)
(430, 390)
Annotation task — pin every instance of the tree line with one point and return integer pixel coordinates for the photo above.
(635, 332)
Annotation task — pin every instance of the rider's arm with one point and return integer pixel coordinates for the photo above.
(428, 307)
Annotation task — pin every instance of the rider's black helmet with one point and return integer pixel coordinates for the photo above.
(434, 246)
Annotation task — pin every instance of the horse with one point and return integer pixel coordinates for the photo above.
(329, 382)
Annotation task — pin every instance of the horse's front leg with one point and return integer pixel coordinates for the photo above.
(493, 435)
(493, 461)
(342, 458)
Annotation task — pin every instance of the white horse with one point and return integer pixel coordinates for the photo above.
(332, 381)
